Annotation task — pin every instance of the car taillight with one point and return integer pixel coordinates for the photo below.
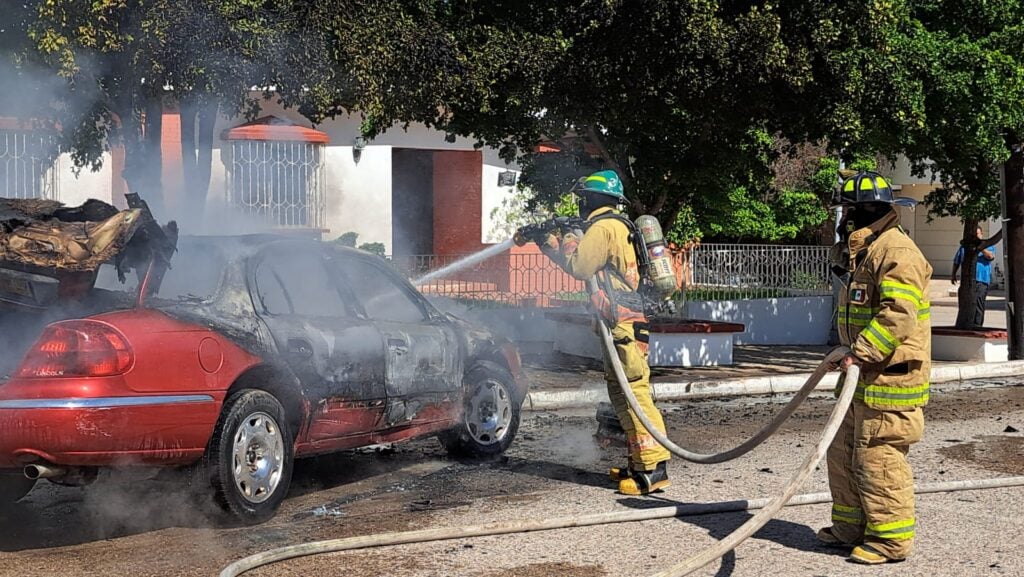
(78, 349)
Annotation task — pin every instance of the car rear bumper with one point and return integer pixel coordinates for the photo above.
(106, 431)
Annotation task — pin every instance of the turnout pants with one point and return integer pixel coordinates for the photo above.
(644, 450)
(871, 482)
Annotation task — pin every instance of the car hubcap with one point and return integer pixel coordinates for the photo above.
(490, 412)
(258, 457)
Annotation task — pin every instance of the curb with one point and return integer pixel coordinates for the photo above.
(591, 395)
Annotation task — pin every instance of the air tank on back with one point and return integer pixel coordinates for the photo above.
(661, 271)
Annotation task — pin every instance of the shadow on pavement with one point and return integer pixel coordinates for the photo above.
(720, 525)
(56, 516)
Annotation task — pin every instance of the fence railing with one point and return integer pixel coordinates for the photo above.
(738, 271)
(709, 272)
(507, 279)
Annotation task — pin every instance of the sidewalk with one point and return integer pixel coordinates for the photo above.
(562, 381)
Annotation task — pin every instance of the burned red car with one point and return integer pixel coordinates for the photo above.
(235, 357)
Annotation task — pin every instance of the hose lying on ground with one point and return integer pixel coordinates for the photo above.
(666, 512)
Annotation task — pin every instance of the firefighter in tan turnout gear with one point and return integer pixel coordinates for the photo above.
(884, 319)
(607, 250)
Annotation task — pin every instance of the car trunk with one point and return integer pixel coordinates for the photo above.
(50, 257)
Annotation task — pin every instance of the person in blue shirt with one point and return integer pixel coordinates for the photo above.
(982, 278)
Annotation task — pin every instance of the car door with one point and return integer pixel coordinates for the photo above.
(337, 354)
(423, 359)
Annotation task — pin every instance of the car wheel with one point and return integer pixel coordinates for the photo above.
(490, 413)
(14, 485)
(249, 460)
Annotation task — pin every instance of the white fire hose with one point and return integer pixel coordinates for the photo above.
(767, 508)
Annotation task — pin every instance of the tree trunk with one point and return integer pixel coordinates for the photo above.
(187, 111)
(197, 153)
(1013, 224)
(141, 131)
(204, 153)
(966, 294)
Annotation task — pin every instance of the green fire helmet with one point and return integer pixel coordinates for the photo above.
(606, 182)
(869, 186)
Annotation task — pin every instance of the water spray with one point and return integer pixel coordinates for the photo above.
(465, 262)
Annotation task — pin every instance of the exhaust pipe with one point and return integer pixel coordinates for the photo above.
(39, 471)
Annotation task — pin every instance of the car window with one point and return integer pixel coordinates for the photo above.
(295, 282)
(195, 274)
(379, 293)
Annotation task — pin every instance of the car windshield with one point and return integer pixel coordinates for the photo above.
(195, 274)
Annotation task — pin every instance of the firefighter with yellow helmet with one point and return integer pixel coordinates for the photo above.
(607, 250)
(883, 317)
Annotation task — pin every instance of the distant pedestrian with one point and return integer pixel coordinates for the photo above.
(982, 278)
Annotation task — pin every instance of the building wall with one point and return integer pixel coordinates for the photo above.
(359, 194)
(938, 238)
(74, 189)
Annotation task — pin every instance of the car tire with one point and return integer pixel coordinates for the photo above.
(250, 457)
(14, 485)
(491, 413)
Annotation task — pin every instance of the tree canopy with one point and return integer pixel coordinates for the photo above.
(694, 102)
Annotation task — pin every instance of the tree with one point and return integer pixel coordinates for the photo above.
(971, 76)
(105, 69)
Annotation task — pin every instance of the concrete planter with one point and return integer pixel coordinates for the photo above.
(690, 350)
(804, 320)
(986, 346)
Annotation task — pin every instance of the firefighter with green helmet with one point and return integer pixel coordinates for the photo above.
(884, 318)
(607, 249)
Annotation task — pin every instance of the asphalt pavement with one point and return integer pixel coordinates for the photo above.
(131, 527)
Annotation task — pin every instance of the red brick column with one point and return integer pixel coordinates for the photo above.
(458, 212)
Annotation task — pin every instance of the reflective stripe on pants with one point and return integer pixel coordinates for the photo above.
(644, 450)
(871, 482)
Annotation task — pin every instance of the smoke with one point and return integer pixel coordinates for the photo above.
(575, 447)
(128, 501)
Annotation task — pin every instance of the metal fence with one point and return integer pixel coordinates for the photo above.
(28, 165)
(739, 271)
(281, 181)
(505, 280)
(712, 272)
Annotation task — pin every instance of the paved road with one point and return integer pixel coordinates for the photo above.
(141, 528)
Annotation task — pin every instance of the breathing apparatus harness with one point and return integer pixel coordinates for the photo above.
(648, 298)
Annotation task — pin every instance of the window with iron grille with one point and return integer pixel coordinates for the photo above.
(280, 181)
(28, 165)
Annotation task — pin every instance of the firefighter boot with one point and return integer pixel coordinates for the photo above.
(620, 473)
(868, 555)
(827, 537)
(646, 482)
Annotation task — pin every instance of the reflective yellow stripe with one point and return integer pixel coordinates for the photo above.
(856, 316)
(907, 287)
(855, 323)
(597, 178)
(879, 336)
(847, 514)
(895, 396)
(896, 530)
(895, 290)
(924, 312)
